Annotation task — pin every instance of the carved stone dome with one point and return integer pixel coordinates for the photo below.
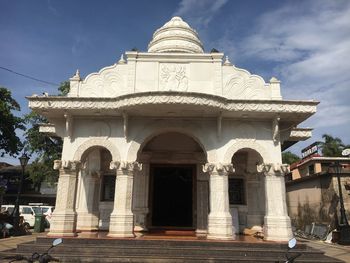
(175, 36)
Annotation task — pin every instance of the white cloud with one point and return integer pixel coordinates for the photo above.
(309, 44)
(199, 13)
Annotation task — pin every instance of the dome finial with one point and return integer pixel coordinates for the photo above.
(175, 36)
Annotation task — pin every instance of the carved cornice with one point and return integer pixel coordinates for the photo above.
(170, 98)
(218, 168)
(273, 168)
(72, 166)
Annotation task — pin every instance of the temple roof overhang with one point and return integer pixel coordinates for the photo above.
(174, 104)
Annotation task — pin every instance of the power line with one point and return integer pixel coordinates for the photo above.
(29, 77)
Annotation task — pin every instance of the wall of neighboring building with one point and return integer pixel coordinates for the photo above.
(315, 199)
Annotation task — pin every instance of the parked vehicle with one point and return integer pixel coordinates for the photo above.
(36, 257)
(28, 214)
(7, 208)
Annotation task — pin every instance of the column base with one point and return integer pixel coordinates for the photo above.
(220, 227)
(277, 228)
(63, 224)
(87, 221)
(121, 226)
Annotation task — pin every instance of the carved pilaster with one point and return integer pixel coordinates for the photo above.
(64, 217)
(219, 219)
(122, 218)
(88, 207)
(140, 198)
(276, 221)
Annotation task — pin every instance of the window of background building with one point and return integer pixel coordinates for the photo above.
(236, 191)
(311, 169)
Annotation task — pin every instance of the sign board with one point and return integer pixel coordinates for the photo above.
(311, 149)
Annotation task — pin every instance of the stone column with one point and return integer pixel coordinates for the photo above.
(88, 212)
(122, 219)
(255, 200)
(140, 204)
(63, 221)
(277, 224)
(219, 219)
(202, 202)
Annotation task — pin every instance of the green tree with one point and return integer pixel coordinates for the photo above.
(64, 88)
(9, 141)
(289, 157)
(332, 146)
(46, 148)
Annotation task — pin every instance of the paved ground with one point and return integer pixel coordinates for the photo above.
(11, 242)
(332, 250)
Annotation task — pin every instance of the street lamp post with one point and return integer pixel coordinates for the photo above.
(24, 161)
(343, 224)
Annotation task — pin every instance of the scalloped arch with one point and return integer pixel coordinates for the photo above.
(93, 142)
(246, 144)
(156, 129)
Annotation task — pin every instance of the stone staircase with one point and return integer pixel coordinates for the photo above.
(149, 250)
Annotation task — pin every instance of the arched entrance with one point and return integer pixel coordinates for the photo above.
(247, 190)
(173, 161)
(95, 190)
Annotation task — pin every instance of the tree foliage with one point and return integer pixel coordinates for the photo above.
(332, 146)
(9, 123)
(46, 148)
(64, 88)
(289, 157)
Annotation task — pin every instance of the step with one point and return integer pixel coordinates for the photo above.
(145, 250)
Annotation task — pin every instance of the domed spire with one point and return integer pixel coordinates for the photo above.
(175, 36)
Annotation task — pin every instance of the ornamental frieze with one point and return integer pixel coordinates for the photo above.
(157, 98)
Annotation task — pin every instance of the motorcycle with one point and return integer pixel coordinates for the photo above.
(290, 259)
(36, 257)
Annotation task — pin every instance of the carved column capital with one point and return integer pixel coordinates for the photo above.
(219, 168)
(67, 165)
(273, 169)
(114, 165)
(130, 166)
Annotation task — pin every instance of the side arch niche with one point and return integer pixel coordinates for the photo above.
(247, 190)
(96, 184)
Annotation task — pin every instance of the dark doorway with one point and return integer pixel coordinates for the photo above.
(172, 199)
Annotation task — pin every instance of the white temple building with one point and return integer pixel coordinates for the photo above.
(172, 138)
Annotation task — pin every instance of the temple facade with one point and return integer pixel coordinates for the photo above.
(172, 138)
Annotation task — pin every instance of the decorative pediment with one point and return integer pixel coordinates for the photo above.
(108, 82)
(240, 84)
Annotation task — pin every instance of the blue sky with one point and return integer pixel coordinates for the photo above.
(305, 44)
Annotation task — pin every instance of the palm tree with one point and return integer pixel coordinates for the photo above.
(332, 146)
